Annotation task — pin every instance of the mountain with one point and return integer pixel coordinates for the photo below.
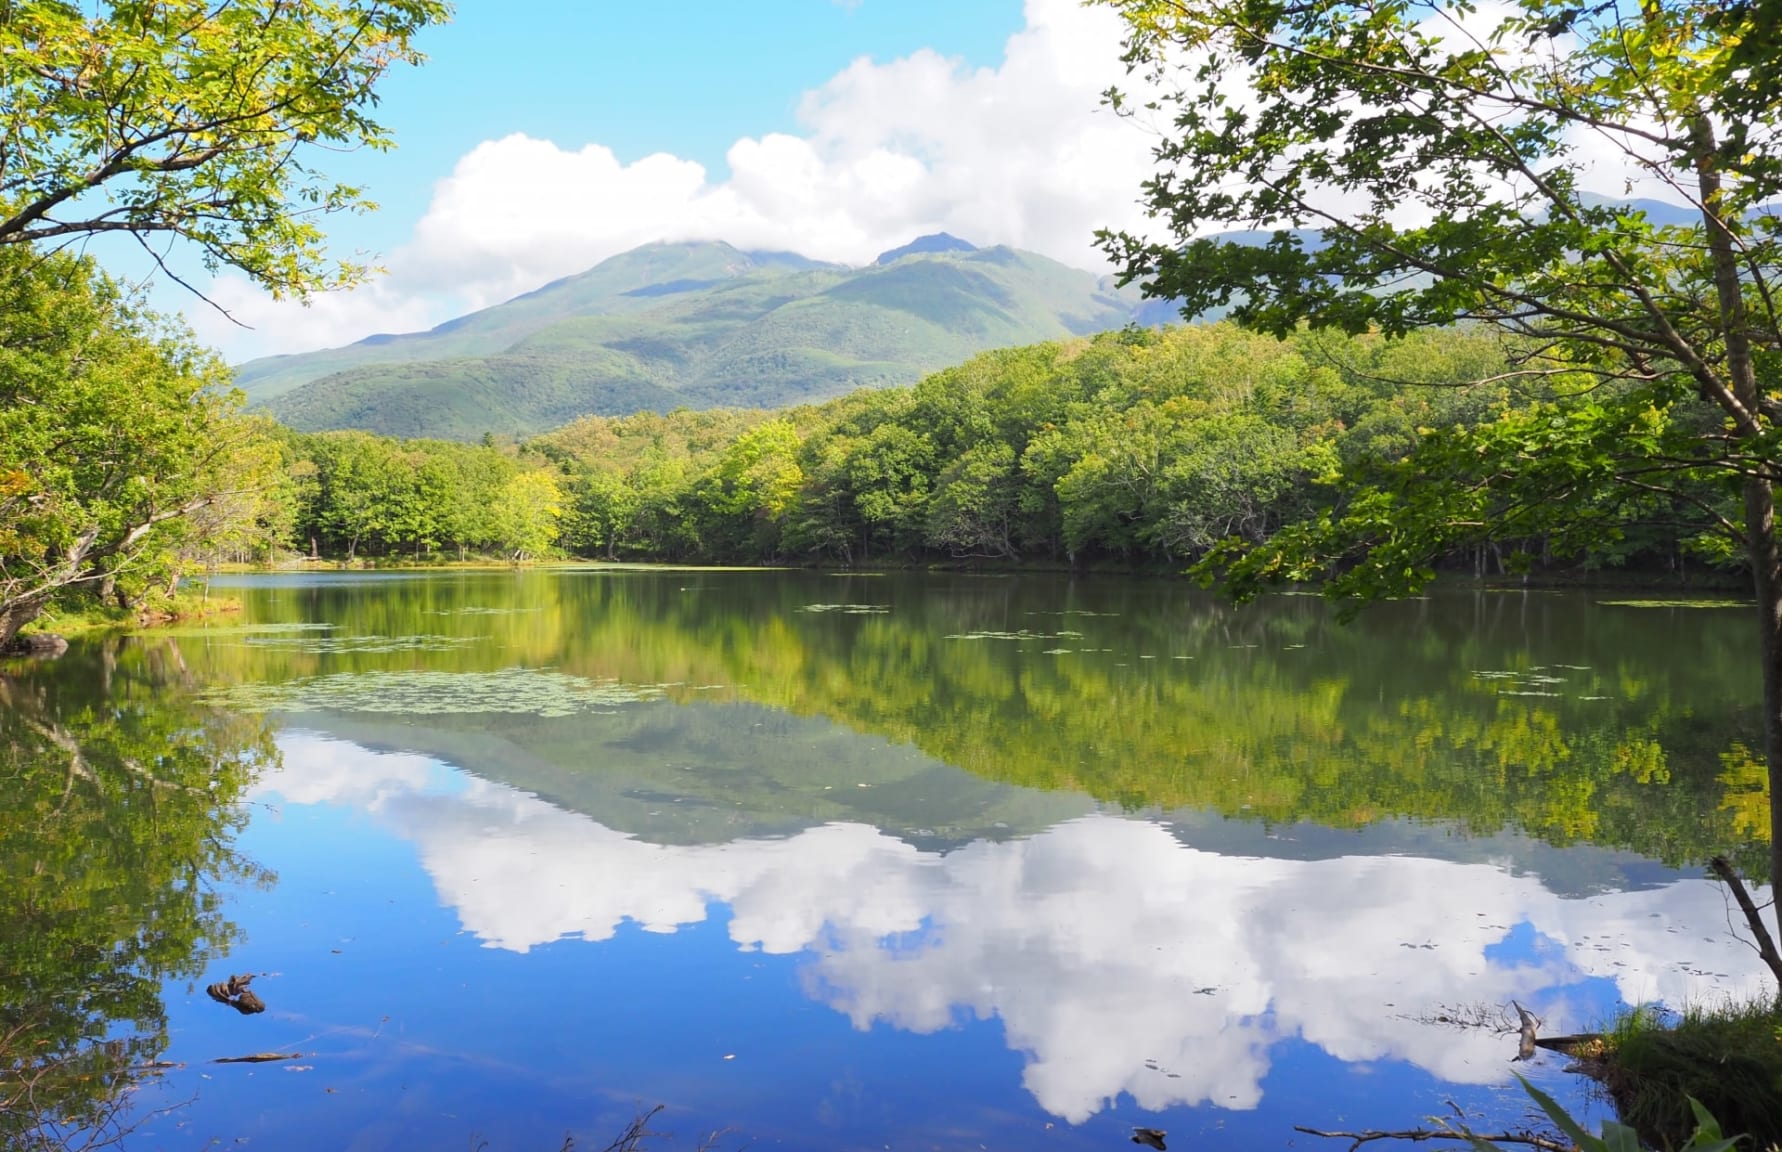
(934, 242)
(692, 324)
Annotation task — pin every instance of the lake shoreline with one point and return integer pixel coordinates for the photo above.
(1699, 583)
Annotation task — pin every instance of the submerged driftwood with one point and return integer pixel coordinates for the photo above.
(1525, 1047)
(234, 992)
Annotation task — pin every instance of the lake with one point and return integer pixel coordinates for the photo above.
(834, 861)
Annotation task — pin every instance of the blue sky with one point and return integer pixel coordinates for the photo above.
(619, 74)
(545, 135)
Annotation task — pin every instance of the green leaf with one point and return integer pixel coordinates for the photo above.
(1707, 1136)
(1563, 1119)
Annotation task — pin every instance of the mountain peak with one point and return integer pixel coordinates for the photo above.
(933, 242)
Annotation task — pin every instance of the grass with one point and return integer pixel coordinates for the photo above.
(1728, 1056)
(184, 608)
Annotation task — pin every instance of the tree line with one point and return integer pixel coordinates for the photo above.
(127, 463)
(1133, 448)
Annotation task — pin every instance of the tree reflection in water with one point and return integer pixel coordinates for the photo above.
(119, 803)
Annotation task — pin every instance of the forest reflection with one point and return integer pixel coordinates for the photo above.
(1554, 714)
(119, 805)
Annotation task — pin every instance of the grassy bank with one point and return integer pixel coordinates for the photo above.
(86, 617)
(1727, 1056)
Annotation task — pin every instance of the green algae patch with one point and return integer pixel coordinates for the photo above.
(514, 691)
(360, 644)
(1701, 603)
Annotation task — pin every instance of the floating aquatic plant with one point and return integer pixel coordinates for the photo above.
(1702, 603)
(1023, 634)
(327, 644)
(524, 691)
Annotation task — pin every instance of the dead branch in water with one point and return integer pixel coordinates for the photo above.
(1766, 945)
(635, 1133)
(1489, 1017)
(1461, 1136)
(1525, 1048)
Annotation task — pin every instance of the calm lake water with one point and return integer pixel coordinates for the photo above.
(854, 861)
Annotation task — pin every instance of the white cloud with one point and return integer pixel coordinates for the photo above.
(1104, 945)
(1022, 154)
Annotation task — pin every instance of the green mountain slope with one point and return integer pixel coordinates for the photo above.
(696, 325)
(632, 281)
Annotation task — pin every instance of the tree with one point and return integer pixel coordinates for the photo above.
(1417, 164)
(192, 119)
(974, 505)
(361, 487)
(756, 483)
(526, 513)
(180, 119)
(113, 427)
(602, 513)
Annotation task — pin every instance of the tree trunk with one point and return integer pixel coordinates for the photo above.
(1760, 497)
(1766, 580)
(16, 615)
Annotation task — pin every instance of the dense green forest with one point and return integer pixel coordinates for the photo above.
(1142, 448)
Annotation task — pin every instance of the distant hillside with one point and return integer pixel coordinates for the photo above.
(696, 325)
(938, 242)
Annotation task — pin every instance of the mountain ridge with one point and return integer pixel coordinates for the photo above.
(706, 324)
(695, 324)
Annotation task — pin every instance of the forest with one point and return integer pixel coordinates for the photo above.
(1140, 448)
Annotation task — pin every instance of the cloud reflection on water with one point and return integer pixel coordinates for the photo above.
(1116, 957)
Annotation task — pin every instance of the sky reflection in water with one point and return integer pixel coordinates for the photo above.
(1094, 974)
(549, 846)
